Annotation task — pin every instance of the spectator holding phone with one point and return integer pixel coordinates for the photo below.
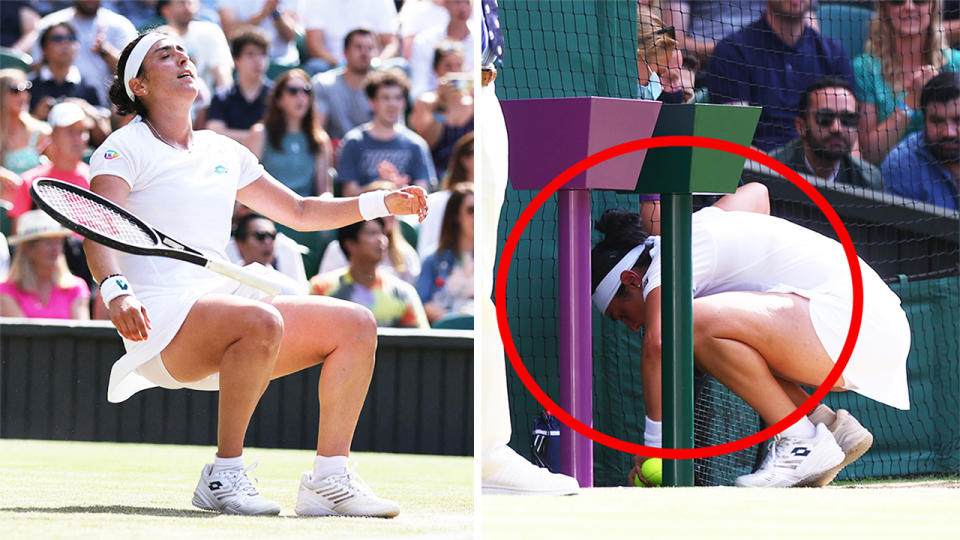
(445, 114)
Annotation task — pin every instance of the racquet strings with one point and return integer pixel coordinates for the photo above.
(95, 216)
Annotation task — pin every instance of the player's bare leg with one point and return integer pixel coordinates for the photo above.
(239, 338)
(343, 336)
(750, 340)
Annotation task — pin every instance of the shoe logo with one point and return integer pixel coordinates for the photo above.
(800, 451)
(215, 485)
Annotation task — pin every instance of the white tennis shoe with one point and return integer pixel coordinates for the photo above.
(341, 495)
(508, 473)
(229, 491)
(854, 440)
(792, 461)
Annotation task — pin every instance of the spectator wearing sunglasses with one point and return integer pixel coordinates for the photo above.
(925, 166)
(255, 240)
(445, 284)
(59, 79)
(827, 121)
(906, 47)
(22, 137)
(289, 141)
(58, 76)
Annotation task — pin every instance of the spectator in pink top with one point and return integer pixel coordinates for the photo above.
(39, 284)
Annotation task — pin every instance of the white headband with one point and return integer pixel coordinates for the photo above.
(611, 282)
(139, 51)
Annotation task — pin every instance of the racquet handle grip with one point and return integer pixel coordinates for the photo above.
(244, 276)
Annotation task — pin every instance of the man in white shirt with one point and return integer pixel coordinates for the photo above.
(279, 19)
(327, 22)
(205, 42)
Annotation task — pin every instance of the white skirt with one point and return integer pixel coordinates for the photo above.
(141, 367)
(877, 367)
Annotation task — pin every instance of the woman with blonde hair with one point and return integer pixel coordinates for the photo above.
(23, 136)
(906, 47)
(655, 46)
(39, 283)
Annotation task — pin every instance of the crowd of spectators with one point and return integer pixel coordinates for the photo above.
(318, 90)
(855, 117)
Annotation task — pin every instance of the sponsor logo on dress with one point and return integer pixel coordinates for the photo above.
(220, 169)
(111, 154)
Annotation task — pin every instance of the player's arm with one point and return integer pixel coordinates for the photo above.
(128, 315)
(752, 197)
(271, 198)
(650, 362)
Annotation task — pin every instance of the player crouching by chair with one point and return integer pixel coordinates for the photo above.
(772, 304)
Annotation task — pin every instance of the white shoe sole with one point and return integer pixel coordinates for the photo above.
(856, 452)
(203, 502)
(504, 490)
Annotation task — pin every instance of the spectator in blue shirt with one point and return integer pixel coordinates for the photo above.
(769, 63)
(235, 110)
(925, 166)
(369, 150)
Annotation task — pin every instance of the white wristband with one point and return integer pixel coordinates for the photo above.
(373, 204)
(114, 286)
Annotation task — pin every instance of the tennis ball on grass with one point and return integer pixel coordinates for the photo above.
(652, 472)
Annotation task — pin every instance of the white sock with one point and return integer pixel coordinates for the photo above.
(653, 433)
(803, 429)
(822, 415)
(220, 464)
(324, 466)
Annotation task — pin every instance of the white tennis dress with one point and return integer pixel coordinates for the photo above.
(744, 251)
(188, 195)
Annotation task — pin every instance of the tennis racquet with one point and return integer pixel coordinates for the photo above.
(105, 222)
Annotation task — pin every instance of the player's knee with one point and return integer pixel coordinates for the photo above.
(264, 324)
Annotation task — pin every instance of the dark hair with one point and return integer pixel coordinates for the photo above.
(379, 79)
(450, 226)
(942, 88)
(242, 230)
(622, 232)
(456, 172)
(355, 32)
(276, 124)
(248, 35)
(826, 82)
(443, 48)
(117, 92)
(46, 32)
(352, 231)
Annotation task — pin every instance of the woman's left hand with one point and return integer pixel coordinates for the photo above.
(409, 200)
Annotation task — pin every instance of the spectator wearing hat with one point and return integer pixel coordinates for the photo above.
(69, 138)
(39, 284)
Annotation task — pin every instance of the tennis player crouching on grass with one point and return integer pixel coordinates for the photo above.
(189, 328)
(771, 309)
